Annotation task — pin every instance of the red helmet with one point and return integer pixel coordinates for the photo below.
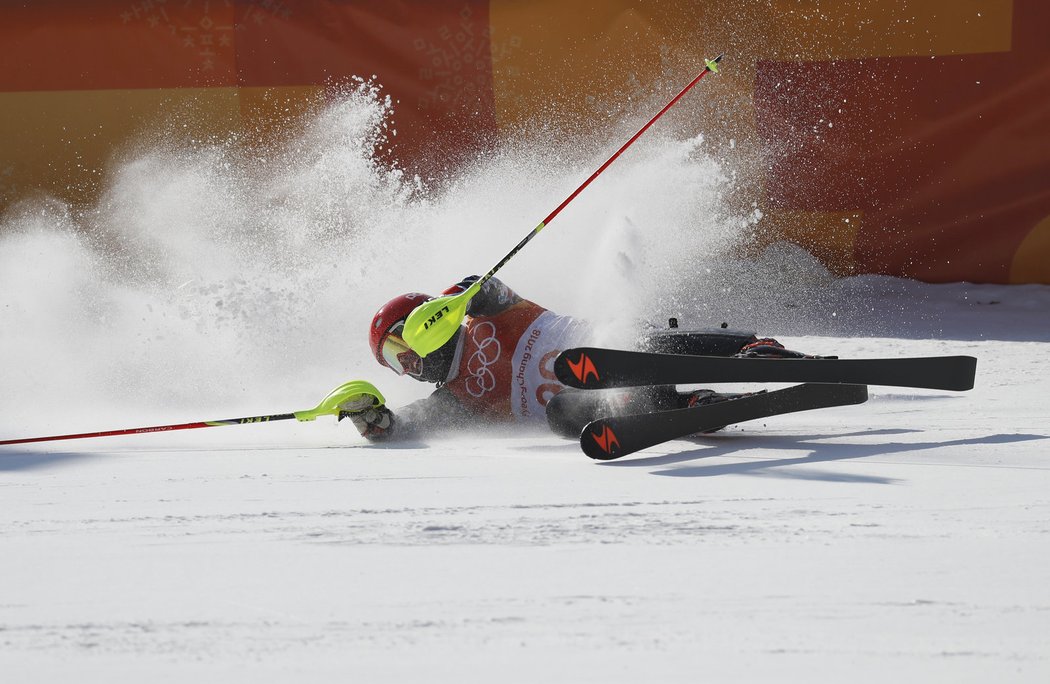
(388, 346)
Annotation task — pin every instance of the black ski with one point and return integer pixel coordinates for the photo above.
(594, 368)
(609, 438)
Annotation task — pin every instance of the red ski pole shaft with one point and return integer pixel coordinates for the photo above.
(643, 129)
(331, 405)
(154, 428)
(711, 66)
(434, 322)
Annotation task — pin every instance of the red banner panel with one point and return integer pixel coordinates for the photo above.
(114, 44)
(433, 58)
(946, 158)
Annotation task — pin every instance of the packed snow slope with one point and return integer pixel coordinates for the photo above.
(906, 538)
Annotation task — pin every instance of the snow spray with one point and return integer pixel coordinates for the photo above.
(215, 277)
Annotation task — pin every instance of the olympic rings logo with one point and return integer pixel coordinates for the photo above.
(488, 351)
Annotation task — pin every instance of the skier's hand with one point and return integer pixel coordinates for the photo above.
(372, 419)
(493, 297)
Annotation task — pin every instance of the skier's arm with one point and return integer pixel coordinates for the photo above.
(437, 412)
(493, 297)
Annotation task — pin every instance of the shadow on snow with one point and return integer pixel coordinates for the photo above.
(818, 453)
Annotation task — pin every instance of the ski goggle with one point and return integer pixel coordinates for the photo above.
(398, 355)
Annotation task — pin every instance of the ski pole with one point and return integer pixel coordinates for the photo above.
(433, 323)
(328, 406)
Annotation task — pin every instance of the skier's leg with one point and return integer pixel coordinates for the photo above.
(716, 342)
(569, 411)
(703, 397)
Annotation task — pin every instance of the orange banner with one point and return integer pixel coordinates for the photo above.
(893, 136)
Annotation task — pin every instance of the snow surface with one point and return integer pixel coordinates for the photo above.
(904, 539)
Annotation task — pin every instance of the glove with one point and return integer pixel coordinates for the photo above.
(372, 419)
(493, 297)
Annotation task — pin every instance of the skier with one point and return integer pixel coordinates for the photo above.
(498, 368)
